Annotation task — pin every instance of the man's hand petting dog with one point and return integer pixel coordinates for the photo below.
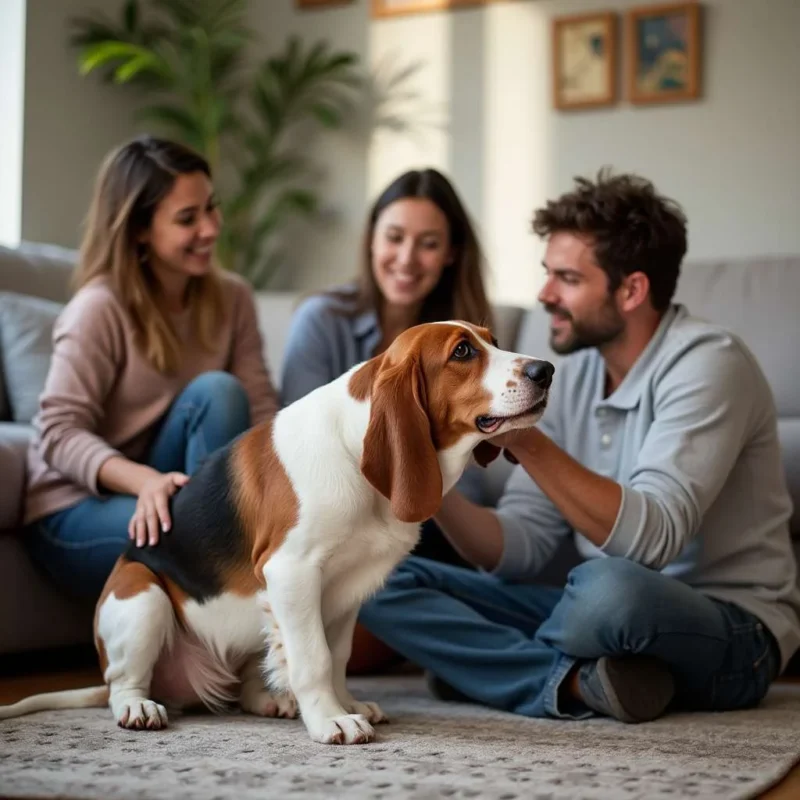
(516, 441)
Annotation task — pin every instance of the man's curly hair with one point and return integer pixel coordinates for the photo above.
(632, 229)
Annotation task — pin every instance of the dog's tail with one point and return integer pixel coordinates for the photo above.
(92, 697)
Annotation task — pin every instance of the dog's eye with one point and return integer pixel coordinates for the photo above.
(463, 351)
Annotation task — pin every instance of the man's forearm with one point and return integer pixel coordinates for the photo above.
(474, 531)
(588, 501)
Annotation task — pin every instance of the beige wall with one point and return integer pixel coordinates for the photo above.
(70, 123)
(732, 159)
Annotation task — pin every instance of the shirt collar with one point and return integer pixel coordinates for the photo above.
(626, 396)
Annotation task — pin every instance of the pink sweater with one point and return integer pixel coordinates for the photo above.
(102, 398)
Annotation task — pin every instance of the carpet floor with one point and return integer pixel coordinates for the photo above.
(429, 750)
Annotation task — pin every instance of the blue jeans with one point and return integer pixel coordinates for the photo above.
(510, 646)
(77, 546)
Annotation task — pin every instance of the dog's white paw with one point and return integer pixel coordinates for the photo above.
(372, 712)
(140, 715)
(348, 729)
(265, 704)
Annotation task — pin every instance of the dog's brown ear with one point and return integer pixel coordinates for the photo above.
(399, 458)
(485, 453)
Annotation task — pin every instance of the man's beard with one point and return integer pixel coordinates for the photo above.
(603, 328)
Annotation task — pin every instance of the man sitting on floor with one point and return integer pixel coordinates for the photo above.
(659, 453)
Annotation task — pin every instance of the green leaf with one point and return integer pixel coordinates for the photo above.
(301, 200)
(101, 53)
(342, 60)
(327, 115)
(135, 67)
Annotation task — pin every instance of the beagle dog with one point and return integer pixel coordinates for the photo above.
(278, 538)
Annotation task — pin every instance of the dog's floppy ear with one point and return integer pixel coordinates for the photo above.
(485, 453)
(399, 458)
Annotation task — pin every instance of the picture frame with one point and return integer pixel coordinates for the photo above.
(584, 51)
(396, 8)
(664, 52)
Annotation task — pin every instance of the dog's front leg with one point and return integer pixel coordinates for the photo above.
(340, 639)
(294, 592)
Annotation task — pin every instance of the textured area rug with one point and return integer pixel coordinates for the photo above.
(429, 750)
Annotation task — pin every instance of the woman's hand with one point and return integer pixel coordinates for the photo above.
(152, 507)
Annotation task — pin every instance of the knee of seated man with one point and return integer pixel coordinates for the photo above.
(401, 580)
(608, 595)
(411, 573)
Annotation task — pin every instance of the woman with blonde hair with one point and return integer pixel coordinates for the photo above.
(157, 361)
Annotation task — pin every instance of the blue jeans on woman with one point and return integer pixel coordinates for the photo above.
(77, 546)
(510, 645)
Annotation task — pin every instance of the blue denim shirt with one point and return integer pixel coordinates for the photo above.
(323, 344)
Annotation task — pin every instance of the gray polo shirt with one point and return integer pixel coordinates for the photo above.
(691, 435)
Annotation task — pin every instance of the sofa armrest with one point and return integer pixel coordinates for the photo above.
(14, 440)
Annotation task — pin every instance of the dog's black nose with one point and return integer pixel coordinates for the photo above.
(540, 372)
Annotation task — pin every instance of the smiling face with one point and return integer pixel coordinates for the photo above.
(410, 249)
(184, 228)
(583, 313)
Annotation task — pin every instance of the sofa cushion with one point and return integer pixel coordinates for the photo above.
(35, 614)
(26, 333)
(506, 325)
(41, 270)
(756, 298)
(14, 440)
(5, 409)
(789, 435)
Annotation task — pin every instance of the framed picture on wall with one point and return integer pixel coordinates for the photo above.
(393, 8)
(584, 60)
(664, 53)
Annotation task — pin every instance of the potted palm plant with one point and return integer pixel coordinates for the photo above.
(186, 61)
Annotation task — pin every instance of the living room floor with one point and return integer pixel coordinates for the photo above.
(24, 675)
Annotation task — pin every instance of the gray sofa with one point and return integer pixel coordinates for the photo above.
(755, 297)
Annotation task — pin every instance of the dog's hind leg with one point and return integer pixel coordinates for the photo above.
(135, 622)
(256, 698)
